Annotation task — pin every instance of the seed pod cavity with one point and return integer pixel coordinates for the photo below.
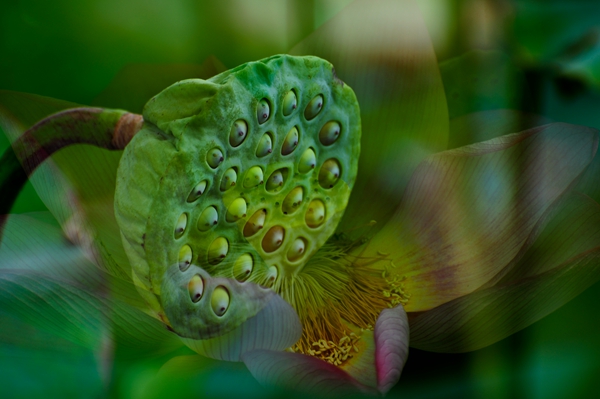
(308, 160)
(273, 240)
(214, 158)
(196, 288)
(329, 133)
(255, 223)
(238, 133)
(181, 225)
(185, 257)
(315, 215)
(218, 250)
(265, 146)
(208, 219)
(314, 107)
(263, 111)
(290, 103)
(219, 300)
(236, 211)
(242, 267)
(290, 142)
(329, 173)
(292, 201)
(229, 179)
(197, 191)
(254, 177)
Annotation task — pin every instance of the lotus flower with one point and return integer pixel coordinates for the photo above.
(470, 244)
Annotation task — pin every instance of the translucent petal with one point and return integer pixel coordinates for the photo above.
(391, 343)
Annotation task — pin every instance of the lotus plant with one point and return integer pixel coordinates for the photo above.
(296, 214)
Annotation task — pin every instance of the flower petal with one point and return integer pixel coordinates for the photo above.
(391, 342)
(275, 327)
(385, 54)
(301, 373)
(468, 212)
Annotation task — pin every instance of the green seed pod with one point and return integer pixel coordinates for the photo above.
(263, 111)
(219, 300)
(329, 133)
(185, 257)
(254, 177)
(255, 223)
(315, 215)
(265, 146)
(181, 225)
(196, 288)
(329, 173)
(229, 179)
(273, 239)
(291, 141)
(197, 191)
(242, 268)
(208, 219)
(314, 107)
(214, 158)
(236, 211)
(218, 250)
(238, 132)
(290, 102)
(308, 160)
(296, 249)
(292, 201)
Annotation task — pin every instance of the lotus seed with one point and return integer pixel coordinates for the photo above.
(329, 173)
(272, 274)
(255, 223)
(181, 225)
(185, 257)
(292, 201)
(314, 107)
(238, 133)
(275, 181)
(243, 267)
(254, 177)
(214, 158)
(265, 146)
(196, 288)
(219, 300)
(263, 111)
(236, 210)
(218, 250)
(296, 249)
(290, 102)
(273, 239)
(229, 179)
(308, 160)
(208, 218)
(291, 141)
(197, 191)
(315, 215)
(329, 133)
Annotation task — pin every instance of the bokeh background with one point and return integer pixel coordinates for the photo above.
(541, 57)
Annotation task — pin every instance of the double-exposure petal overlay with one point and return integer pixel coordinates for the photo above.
(385, 54)
(468, 212)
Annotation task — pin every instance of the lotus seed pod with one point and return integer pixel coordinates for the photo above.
(265, 146)
(254, 177)
(329, 173)
(308, 160)
(185, 257)
(292, 201)
(243, 267)
(255, 223)
(315, 215)
(296, 249)
(273, 239)
(196, 288)
(263, 111)
(219, 300)
(314, 107)
(229, 179)
(238, 133)
(208, 219)
(218, 250)
(214, 158)
(290, 102)
(181, 225)
(236, 211)
(329, 133)
(275, 181)
(197, 191)
(291, 141)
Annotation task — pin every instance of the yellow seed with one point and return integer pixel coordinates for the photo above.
(185, 257)
(314, 107)
(296, 249)
(329, 173)
(292, 201)
(273, 239)
(196, 288)
(291, 141)
(214, 158)
(208, 218)
(254, 177)
(265, 146)
(238, 132)
(236, 210)
(181, 225)
(218, 250)
(308, 160)
(197, 191)
(290, 102)
(255, 223)
(220, 300)
(329, 133)
(315, 215)
(243, 267)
